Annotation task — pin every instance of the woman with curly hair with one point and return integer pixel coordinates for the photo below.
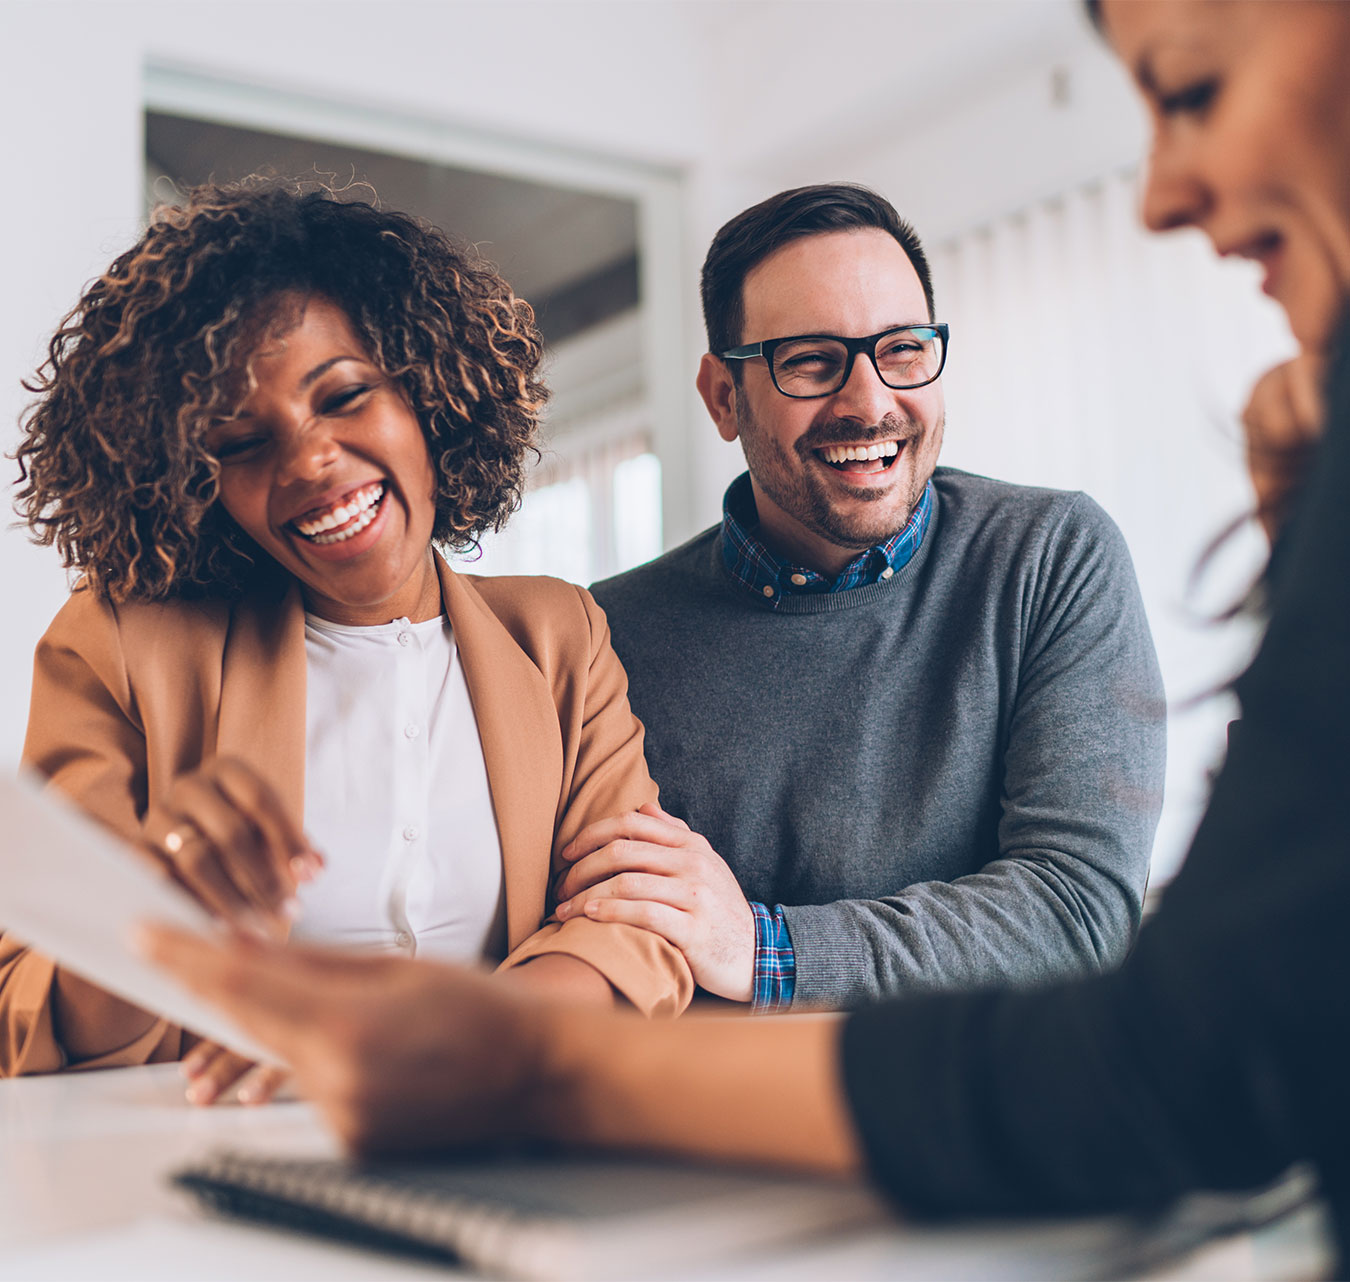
(253, 432)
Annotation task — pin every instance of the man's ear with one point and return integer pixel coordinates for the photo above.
(719, 392)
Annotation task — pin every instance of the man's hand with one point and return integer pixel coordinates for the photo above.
(396, 1054)
(648, 869)
(1283, 422)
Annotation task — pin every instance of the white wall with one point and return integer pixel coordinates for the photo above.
(963, 112)
(73, 202)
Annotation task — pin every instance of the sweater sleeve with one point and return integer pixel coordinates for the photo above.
(1081, 791)
(1215, 1056)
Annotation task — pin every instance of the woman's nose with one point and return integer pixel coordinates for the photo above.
(1175, 195)
(308, 453)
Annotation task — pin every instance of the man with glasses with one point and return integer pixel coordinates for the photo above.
(907, 721)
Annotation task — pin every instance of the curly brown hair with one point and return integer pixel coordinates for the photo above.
(113, 466)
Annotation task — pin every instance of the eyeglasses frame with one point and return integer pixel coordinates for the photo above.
(854, 346)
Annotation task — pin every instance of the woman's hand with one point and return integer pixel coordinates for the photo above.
(212, 1072)
(1283, 423)
(225, 836)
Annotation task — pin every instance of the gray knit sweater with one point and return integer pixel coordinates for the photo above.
(949, 779)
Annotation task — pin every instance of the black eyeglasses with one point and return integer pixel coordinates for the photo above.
(810, 365)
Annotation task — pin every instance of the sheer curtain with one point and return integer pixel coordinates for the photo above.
(593, 507)
(1087, 354)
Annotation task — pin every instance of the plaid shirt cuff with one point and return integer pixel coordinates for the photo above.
(775, 962)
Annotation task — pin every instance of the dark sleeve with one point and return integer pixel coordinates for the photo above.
(1216, 1055)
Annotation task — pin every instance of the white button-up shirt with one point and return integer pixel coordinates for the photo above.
(396, 796)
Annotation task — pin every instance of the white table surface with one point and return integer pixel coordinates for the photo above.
(84, 1195)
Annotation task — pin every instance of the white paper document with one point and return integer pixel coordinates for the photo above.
(76, 893)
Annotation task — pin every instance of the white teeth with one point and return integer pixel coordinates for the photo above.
(346, 518)
(342, 535)
(847, 453)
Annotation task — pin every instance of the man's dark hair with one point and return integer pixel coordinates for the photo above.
(752, 236)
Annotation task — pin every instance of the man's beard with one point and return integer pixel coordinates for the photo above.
(799, 491)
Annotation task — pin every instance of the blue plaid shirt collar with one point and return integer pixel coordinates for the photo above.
(758, 570)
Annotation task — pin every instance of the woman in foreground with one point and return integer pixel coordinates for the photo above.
(252, 432)
(1216, 1056)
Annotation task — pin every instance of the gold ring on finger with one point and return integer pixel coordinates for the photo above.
(178, 836)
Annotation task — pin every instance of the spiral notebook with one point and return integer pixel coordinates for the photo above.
(542, 1220)
(536, 1219)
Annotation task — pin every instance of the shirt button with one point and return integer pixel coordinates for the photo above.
(410, 833)
(403, 939)
(410, 731)
(799, 580)
(768, 589)
(887, 572)
(405, 638)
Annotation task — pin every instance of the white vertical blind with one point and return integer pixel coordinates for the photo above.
(1087, 354)
(591, 510)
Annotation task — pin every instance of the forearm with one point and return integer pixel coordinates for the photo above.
(607, 776)
(641, 967)
(90, 1022)
(558, 977)
(1018, 921)
(767, 1091)
(1118, 1092)
(50, 1019)
(84, 737)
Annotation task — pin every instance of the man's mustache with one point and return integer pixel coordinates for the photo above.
(840, 431)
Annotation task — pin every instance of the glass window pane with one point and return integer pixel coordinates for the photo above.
(551, 534)
(637, 511)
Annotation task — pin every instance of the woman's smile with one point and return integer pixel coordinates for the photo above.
(344, 528)
(338, 521)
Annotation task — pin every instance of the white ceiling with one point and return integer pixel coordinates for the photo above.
(808, 74)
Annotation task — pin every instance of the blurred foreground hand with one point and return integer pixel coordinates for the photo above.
(396, 1054)
(1283, 422)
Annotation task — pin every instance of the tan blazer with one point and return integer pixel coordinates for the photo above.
(127, 698)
